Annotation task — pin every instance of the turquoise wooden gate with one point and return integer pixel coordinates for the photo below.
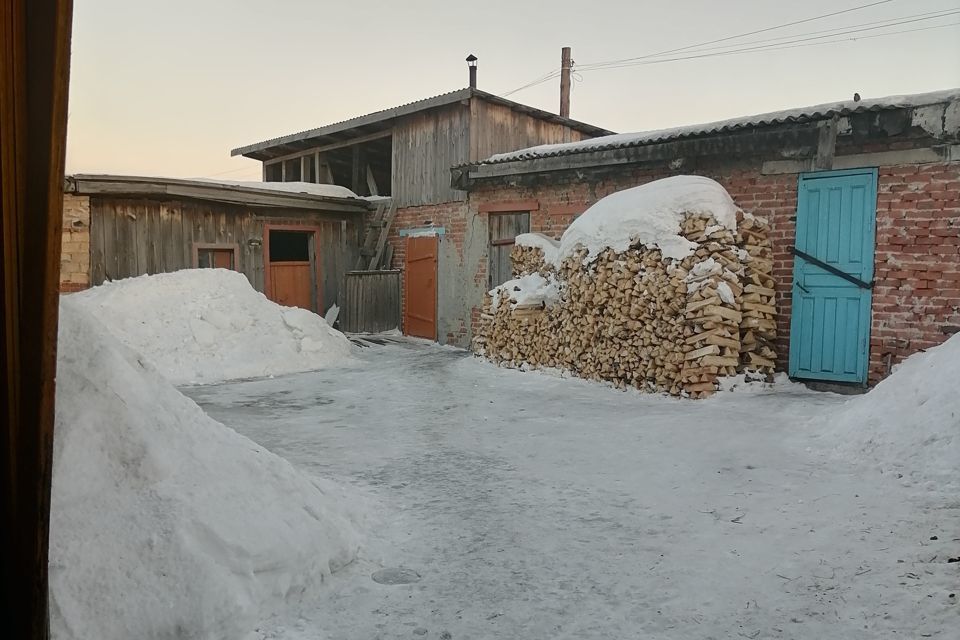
(833, 275)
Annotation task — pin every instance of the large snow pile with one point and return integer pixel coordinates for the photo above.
(165, 523)
(651, 214)
(209, 325)
(910, 422)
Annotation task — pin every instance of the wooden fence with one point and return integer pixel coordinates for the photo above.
(370, 302)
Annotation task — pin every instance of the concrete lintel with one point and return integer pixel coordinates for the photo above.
(422, 231)
(944, 153)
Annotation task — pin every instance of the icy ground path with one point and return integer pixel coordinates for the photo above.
(537, 507)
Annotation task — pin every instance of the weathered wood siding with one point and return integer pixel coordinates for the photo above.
(370, 302)
(498, 128)
(425, 146)
(131, 237)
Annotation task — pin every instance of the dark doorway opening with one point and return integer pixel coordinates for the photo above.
(290, 246)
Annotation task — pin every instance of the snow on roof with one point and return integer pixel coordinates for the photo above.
(797, 115)
(309, 188)
(650, 214)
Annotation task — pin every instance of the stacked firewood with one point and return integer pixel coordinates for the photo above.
(712, 313)
(630, 318)
(758, 329)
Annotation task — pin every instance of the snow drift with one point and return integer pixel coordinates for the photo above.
(910, 422)
(210, 325)
(651, 215)
(165, 523)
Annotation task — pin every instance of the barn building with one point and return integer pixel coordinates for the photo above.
(406, 153)
(863, 198)
(294, 242)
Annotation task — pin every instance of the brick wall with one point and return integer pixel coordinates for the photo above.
(453, 328)
(916, 298)
(917, 295)
(75, 244)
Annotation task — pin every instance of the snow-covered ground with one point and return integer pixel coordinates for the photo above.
(532, 506)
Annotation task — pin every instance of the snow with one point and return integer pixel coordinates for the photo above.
(309, 188)
(529, 289)
(540, 507)
(726, 293)
(548, 246)
(165, 523)
(208, 325)
(662, 135)
(909, 423)
(651, 214)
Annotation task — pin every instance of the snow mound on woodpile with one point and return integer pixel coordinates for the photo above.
(165, 523)
(910, 422)
(210, 325)
(549, 246)
(652, 215)
(530, 289)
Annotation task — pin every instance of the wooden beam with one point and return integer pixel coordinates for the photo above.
(356, 169)
(372, 182)
(514, 205)
(826, 144)
(34, 78)
(333, 146)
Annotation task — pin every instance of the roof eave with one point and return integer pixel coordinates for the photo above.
(256, 151)
(92, 184)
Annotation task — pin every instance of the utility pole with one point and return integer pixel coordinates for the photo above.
(565, 64)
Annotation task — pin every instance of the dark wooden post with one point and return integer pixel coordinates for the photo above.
(565, 64)
(34, 76)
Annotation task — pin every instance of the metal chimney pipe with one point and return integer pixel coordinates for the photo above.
(472, 65)
(565, 64)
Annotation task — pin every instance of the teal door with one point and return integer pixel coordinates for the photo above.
(833, 275)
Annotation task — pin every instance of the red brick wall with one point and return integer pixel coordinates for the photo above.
(917, 294)
(916, 298)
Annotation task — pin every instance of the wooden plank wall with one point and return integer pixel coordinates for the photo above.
(131, 237)
(370, 302)
(425, 146)
(498, 129)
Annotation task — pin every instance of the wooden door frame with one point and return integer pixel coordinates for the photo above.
(34, 85)
(317, 273)
(871, 228)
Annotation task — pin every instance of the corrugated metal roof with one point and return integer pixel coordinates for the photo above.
(789, 116)
(381, 117)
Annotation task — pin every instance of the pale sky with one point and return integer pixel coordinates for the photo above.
(169, 87)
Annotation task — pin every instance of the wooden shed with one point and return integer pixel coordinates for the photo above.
(294, 242)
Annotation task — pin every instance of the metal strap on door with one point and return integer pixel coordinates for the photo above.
(831, 269)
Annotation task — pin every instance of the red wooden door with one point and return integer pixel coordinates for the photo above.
(420, 287)
(291, 284)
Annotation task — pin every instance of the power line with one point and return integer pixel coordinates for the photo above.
(888, 22)
(751, 33)
(776, 47)
(553, 74)
(550, 76)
